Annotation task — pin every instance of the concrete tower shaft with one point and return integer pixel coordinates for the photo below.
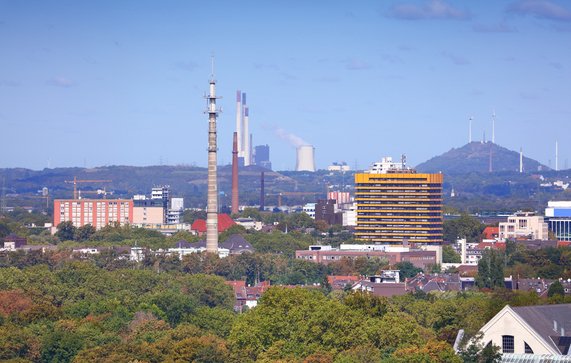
(235, 198)
(239, 117)
(246, 136)
(212, 198)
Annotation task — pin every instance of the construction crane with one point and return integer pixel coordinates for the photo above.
(103, 192)
(75, 181)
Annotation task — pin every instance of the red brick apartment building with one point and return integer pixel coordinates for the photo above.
(97, 212)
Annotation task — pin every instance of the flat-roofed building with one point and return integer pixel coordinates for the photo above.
(97, 212)
(558, 217)
(396, 204)
(524, 225)
(326, 255)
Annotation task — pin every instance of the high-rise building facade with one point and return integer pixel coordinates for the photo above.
(397, 204)
(97, 212)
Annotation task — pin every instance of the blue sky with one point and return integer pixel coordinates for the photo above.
(91, 83)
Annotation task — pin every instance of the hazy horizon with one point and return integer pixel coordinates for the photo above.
(108, 83)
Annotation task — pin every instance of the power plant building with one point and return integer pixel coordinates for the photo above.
(262, 156)
(397, 205)
(305, 158)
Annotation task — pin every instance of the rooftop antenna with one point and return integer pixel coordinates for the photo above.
(212, 66)
(494, 127)
(470, 130)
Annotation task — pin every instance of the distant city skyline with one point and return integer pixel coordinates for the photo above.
(123, 83)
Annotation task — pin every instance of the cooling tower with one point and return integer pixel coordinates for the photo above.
(305, 158)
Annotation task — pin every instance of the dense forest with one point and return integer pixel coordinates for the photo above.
(77, 311)
(58, 306)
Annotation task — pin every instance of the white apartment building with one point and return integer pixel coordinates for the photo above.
(524, 225)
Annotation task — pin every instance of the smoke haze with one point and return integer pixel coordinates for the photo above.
(291, 138)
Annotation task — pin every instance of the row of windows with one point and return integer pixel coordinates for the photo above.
(408, 220)
(398, 185)
(398, 190)
(404, 210)
(399, 203)
(399, 238)
(390, 226)
(397, 232)
(398, 179)
(399, 196)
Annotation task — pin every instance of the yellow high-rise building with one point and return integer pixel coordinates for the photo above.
(398, 204)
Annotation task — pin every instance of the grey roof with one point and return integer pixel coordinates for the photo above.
(541, 318)
(237, 244)
(183, 244)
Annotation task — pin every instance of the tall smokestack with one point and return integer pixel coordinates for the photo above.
(246, 136)
(262, 192)
(235, 174)
(242, 136)
(251, 151)
(239, 116)
(212, 202)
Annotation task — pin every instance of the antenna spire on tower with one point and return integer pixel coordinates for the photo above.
(212, 66)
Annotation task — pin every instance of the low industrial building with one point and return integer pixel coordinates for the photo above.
(326, 254)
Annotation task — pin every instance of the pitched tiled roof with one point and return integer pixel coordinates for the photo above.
(224, 222)
(237, 243)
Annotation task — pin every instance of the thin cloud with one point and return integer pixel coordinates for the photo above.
(188, 66)
(8, 83)
(456, 59)
(390, 58)
(355, 64)
(541, 9)
(493, 28)
(327, 79)
(433, 9)
(61, 82)
(556, 65)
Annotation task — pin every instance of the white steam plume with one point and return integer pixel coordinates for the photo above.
(291, 138)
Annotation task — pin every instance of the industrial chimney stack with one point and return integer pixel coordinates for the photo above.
(212, 199)
(235, 199)
(262, 192)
